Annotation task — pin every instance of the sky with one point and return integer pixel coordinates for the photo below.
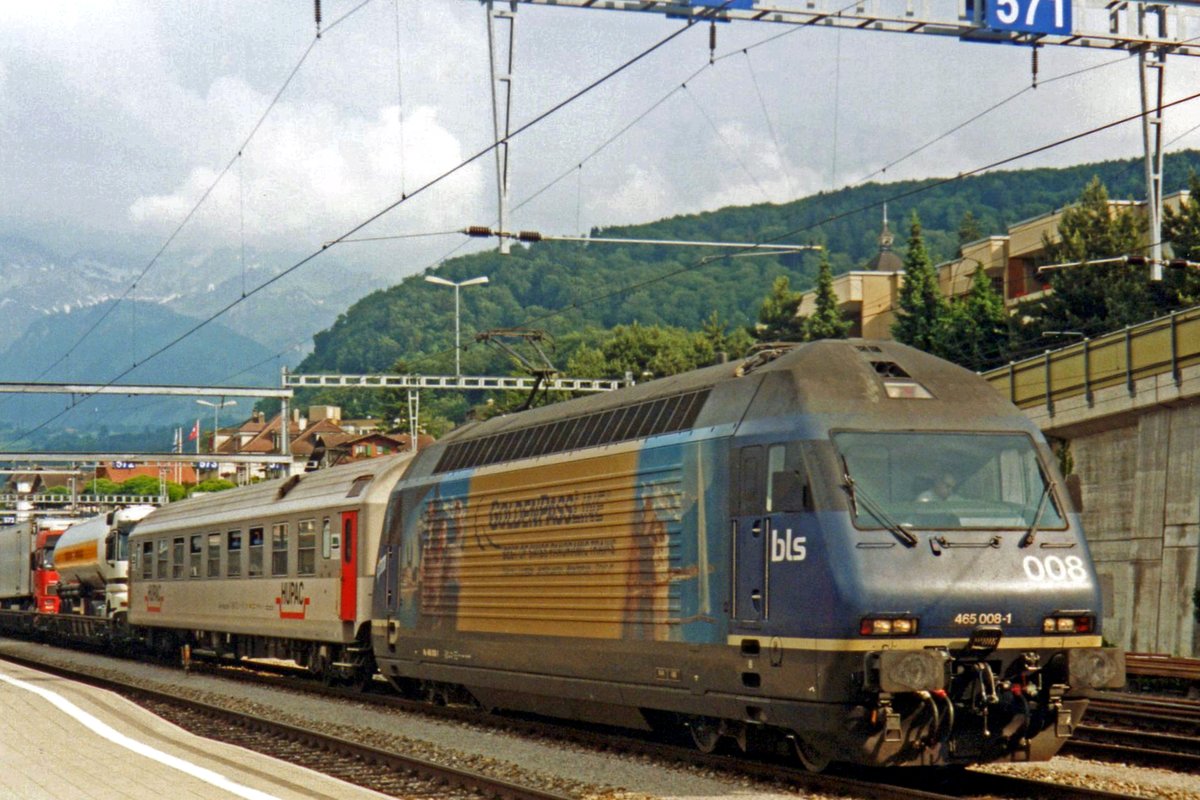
(117, 117)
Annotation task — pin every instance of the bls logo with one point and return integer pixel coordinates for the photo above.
(788, 548)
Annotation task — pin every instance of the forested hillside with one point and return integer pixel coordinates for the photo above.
(569, 289)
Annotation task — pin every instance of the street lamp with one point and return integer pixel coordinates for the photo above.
(443, 282)
(216, 407)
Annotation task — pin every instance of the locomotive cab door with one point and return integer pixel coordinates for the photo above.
(349, 580)
(749, 531)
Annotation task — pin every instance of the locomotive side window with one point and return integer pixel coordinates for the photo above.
(162, 569)
(214, 555)
(255, 568)
(233, 557)
(147, 560)
(177, 557)
(326, 539)
(306, 547)
(279, 548)
(195, 551)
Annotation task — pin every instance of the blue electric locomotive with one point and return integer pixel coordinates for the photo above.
(850, 546)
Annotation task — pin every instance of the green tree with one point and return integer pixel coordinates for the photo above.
(643, 350)
(213, 485)
(145, 485)
(969, 230)
(826, 322)
(101, 486)
(976, 331)
(777, 319)
(921, 316)
(1094, 298)
(1181, 287)
(715, 331)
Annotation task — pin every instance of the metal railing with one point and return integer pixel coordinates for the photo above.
(1163, 346)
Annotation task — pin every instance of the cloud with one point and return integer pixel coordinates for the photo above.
(312, 173)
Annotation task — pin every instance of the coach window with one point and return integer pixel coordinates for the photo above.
(195, 552)
(147, 560)
(279, 548)
(256, 553)
(326, 539)
(306, 548)
(214, 555)
(162, 569)
(233, 556)
(177, 557)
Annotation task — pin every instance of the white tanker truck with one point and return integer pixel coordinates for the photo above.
(92, 560)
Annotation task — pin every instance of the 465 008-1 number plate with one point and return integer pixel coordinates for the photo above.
(993, 618)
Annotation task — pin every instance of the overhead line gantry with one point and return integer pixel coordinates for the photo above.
(1149, 29)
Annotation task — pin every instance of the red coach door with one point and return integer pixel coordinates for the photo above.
(349, 565)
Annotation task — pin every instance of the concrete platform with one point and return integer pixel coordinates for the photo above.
(63, 739)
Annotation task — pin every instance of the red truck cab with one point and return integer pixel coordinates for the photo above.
(45, 579)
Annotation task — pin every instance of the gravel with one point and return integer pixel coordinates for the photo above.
(556, 765)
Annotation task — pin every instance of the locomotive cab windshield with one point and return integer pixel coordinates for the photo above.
(948, 481)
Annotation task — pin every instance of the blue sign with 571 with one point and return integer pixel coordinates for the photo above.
(1029, 16)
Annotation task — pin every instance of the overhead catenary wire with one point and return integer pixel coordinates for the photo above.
(980, 115)
(728, 146)
(406, 198)
(858, 210)
(204, 196)
(762, 104)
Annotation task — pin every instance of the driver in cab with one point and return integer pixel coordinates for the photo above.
(942, 490)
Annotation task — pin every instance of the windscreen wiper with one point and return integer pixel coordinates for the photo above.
(874, 509)
(1031, 534)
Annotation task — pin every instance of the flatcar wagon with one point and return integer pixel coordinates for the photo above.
(280, 569)
(852, 547)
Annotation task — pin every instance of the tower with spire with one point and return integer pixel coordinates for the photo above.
(885, 260)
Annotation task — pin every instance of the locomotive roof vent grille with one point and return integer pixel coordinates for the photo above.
(868, 348)
(898, 384)
(889, 369)
(648, 418)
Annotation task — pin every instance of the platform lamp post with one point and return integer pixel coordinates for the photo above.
(457, 344)
(216, 407)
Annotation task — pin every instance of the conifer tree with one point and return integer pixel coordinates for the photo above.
(826, 322)
(921, 316)
(1094, 298)
(777, 317)
(976, 334)
(1181, 287)
(968, 230)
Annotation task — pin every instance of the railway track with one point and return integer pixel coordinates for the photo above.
(403, 776)
(1147, 730)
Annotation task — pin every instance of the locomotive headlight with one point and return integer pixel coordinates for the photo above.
(1096, 668)
(911, 670)
(1068, 624)
(887, 626)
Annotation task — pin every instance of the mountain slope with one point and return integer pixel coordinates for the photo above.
(565, 287)
(125, 338)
